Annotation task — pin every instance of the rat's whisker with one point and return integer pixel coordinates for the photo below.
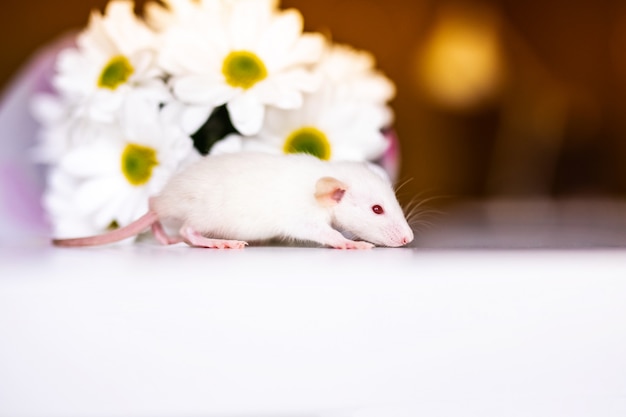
(398, 187)
(419, 214)
(420, 225)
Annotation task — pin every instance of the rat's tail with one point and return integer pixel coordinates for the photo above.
(136, 227)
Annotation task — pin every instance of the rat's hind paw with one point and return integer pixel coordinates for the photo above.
(162, 237)
(219, 244)
(227, 244)
(194, 238)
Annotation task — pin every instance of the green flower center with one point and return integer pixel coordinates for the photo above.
(117, 71)
(243, 69)
(137, 163)
(308, 140)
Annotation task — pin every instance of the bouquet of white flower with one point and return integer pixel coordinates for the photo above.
(136, 99)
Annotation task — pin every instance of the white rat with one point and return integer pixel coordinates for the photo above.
(224, 201)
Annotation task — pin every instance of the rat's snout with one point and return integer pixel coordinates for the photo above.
(401, 238)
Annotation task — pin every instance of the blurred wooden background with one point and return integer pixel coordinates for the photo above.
(496, 97)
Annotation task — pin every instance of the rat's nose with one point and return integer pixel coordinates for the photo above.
(401, 238)
(407, 238)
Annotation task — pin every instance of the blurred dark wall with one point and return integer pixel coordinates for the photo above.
(494, 97)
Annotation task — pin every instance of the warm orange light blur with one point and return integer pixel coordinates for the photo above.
(461, 64)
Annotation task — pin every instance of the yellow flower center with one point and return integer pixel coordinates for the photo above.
(308, 140)
(116, 72)
(243, 69)
(137, 163)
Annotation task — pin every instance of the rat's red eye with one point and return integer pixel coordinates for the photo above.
(377, 209)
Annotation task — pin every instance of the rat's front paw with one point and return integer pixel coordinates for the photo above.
(350, 244)
(361, 245)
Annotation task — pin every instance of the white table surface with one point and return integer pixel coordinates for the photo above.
(451, 327)
(500, 309)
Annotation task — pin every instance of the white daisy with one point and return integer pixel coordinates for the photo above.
(342, 120)
(115, 58)
(60, 129)
(165, 14)
(249, 56)
(354, 76)
(114, 177)
(53, 117)
(65, 217)
(324, 126)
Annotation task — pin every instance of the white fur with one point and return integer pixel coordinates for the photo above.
(255, 196)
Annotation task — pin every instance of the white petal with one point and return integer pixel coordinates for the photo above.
(138, 111)
(158, 16)
(284, 90)
(113, 209)
(308, 49)
(280, 123)
(125, 29)
(76, 74)
(230, 144)
(246, 114)
(281, 95)
(371, 116)
(248, 19)
(202, 90)
(94, 194)
(300, 79)
(95, 37)
(130, 208)
(184, 52)
(59, 190)
(255, 145)
(193, 117)
(143, 62)
(189, 117)
(47, 108)
(83, 131)
(69, 224)
(103, 104)
(279, 38)
(91, 160)
(62, 183)
(377, 88)
(363, 144)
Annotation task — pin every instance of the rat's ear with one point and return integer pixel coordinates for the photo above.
(329, 191)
